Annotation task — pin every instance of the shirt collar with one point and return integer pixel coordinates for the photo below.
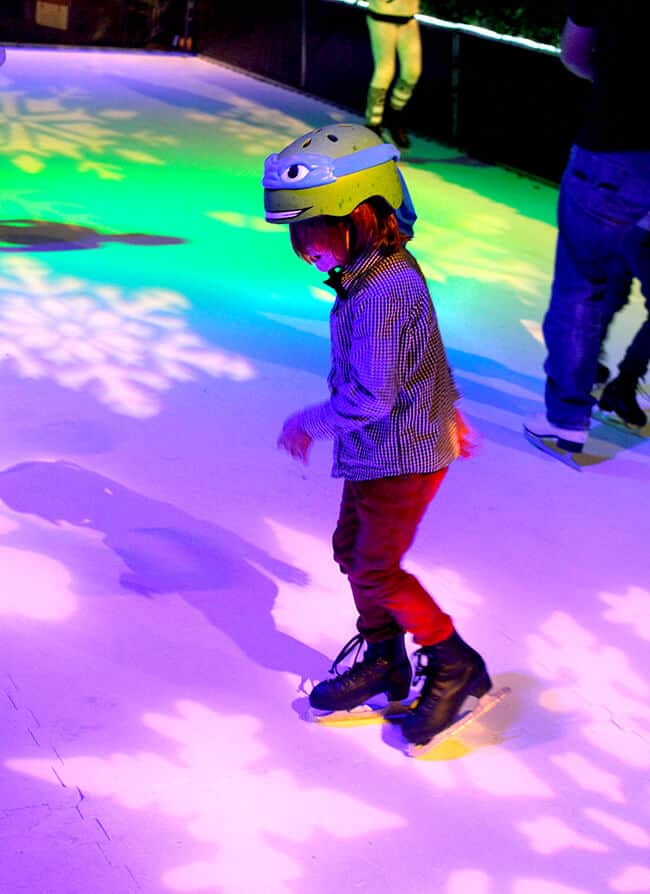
(341, 279)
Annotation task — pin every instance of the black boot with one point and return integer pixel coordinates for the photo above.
(452, 670)
(620, 397)
(394, 121)
(385, 667)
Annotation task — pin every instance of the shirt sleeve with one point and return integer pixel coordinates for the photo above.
(374, 376)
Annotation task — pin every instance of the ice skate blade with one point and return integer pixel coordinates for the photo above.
(615, 421)
(575, 461)
(485, 704)
(363, 715)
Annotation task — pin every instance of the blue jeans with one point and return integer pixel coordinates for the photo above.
(602, 196)
(636, 252)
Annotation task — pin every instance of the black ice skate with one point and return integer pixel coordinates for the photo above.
(620, 399)
(384, 669)
(394, 121)
(452, 671)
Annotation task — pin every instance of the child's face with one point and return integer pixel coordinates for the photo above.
(321, 241)
(320, 255)
(322, 258)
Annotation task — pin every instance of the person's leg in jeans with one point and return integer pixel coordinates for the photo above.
(617, 295)
(620, 395)
(636, 246)
(601, 196)
(575, 320)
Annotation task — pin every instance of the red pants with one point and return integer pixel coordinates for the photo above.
(377, 523)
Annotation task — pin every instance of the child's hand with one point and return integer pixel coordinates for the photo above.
(467, 437)
(294, 440)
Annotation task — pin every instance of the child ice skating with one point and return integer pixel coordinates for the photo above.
(391, 414)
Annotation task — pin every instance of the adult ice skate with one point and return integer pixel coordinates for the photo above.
(565, 445)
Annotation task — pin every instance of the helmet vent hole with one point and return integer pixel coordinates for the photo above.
(332, 137)
(306, 143)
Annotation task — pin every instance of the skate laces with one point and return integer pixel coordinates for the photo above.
(355, 643)
(422, 663)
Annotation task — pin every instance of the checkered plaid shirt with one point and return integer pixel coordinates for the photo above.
(392, 394)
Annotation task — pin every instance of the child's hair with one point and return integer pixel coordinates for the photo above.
(372, 225)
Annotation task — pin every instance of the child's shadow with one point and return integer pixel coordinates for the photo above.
(168, 551)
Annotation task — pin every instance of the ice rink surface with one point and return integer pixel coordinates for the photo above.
(168, 593)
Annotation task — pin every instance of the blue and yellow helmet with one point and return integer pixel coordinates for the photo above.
(330, 171)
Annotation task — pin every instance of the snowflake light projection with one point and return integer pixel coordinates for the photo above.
(247, 122)
(228, 794)
(35, 130)
(632, 608)
(453, 245)
(125, 348)
(35, 586)
(596, 680)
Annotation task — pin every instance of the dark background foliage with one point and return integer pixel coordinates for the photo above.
(541, 21)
